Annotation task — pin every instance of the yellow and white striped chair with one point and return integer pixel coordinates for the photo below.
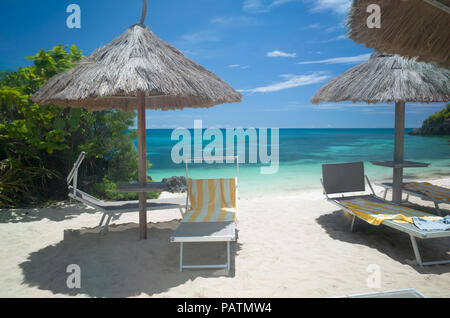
(212, 200)
(211, 216)
(423, 190)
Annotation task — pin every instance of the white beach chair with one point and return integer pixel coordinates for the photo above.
(399, 293)
(423, 190)
(212, 212)
(114, 209)
(349, 177)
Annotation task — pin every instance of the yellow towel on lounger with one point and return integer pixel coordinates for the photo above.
(430, 190)
(212, 200)
(377, 212)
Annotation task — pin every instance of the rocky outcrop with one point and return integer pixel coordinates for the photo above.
(442, 128)
(176, 184)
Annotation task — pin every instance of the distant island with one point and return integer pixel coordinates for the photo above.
(436, 124)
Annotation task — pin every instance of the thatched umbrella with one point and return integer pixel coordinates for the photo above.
(390, 78)
(412, 28)
(137, 70)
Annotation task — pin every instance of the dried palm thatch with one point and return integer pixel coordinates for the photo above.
(411, 28)
(137, 70)
(386, 78)
(136, 61)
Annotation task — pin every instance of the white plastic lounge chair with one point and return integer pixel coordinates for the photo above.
(400, 293)
(423, 190)
(212, 211)
(349, 177)
(114, 209)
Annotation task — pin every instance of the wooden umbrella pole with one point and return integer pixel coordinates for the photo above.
(142, 166)
(399, 140)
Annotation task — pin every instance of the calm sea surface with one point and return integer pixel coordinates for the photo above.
(301, 154)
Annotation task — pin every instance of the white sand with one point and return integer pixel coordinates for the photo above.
(292, 245)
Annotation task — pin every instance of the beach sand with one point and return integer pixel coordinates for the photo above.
(289, 245)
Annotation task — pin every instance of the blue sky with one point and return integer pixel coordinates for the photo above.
(277, 52)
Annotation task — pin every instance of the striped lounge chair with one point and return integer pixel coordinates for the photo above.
(349, 177)
(423, 190)
(211, 216)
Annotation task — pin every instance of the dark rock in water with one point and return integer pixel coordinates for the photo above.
(436, 124)
(176, 184)
(442, 128)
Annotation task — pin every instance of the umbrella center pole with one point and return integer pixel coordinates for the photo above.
(142, 166)
(144, 12)
(399, 139)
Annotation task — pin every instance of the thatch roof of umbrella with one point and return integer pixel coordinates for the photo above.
(386, 78)
(136, 61)
(413, 28)
(137, 70)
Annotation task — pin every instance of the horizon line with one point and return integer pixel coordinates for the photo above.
(135, 128)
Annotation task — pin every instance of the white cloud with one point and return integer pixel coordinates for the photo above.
(342, 105)
(233, 21)
(291, 81)
(277, 53)
(262, 6)
(355, 107)
(340, 60)
(243, 67)
(337, 6)
(312, 26)
(337, 38)
(214, 30)
(200, 37)
(334, 28)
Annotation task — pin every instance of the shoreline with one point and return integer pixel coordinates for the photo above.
(315, 191)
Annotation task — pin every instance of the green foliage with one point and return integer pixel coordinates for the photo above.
(438, 117)
(39, 144)
(16, 182)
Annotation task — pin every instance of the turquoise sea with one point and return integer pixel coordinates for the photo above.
(301, 154)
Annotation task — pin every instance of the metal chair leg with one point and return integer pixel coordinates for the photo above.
(219, 266)
(181, 257)
(228, 256)
(100, 225)
(436, 205)
(416, 250)
(352, 226)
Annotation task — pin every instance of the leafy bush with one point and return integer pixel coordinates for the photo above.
(15, 181)
(39, 144)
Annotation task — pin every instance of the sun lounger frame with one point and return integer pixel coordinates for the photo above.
(112, 210)
(388, 186)
(202, 231)
(409, 229)
(398, 293)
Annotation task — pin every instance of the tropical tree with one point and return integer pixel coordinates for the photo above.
(39, 143)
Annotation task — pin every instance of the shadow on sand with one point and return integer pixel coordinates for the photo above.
(119, 265)
(53, 213)
(393, 243)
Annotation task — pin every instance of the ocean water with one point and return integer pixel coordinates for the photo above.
(301, 154)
